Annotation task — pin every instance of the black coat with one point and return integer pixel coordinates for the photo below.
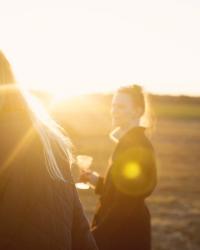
(122, 220)
(36, 211)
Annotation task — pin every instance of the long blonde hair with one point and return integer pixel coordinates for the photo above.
(6, 74)
(48, 130)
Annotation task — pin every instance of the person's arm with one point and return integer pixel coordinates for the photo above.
(134, 177)
(134, 172)
(95, 181)
(82, 238)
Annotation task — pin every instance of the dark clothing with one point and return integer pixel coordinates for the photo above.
(122, 220)
(36, 211)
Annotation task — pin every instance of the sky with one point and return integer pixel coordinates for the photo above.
(78, 46)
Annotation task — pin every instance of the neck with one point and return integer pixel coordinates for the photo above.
(118, 132)
(132, 124)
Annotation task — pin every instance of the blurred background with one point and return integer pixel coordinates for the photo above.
(73, 54)
(174, 205)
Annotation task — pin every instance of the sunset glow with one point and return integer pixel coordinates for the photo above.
(75, 47)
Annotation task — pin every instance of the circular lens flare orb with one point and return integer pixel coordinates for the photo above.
(131, 170)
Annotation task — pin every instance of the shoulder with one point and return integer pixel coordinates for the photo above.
(134, 168)
(135, 138)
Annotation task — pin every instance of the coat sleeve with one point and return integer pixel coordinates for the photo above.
(133, 174)
(82, 239)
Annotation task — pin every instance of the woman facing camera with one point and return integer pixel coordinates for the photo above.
(122, 220)
(39, 206)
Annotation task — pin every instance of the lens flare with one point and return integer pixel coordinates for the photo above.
(134, 171)
(131, 170)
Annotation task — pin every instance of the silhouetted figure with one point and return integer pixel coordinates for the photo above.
(39, 205)
(122, 220)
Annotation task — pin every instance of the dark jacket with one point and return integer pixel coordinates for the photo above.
(36, 211)
(122, 220)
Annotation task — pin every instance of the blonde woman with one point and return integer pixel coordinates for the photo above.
(39, 206)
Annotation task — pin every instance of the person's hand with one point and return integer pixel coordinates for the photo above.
(85, 176)
(90, 177)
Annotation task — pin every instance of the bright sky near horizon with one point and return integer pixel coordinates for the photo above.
(84, 46)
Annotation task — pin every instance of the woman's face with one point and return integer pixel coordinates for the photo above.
(123, 110)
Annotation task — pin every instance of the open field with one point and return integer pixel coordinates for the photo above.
(175, 204)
